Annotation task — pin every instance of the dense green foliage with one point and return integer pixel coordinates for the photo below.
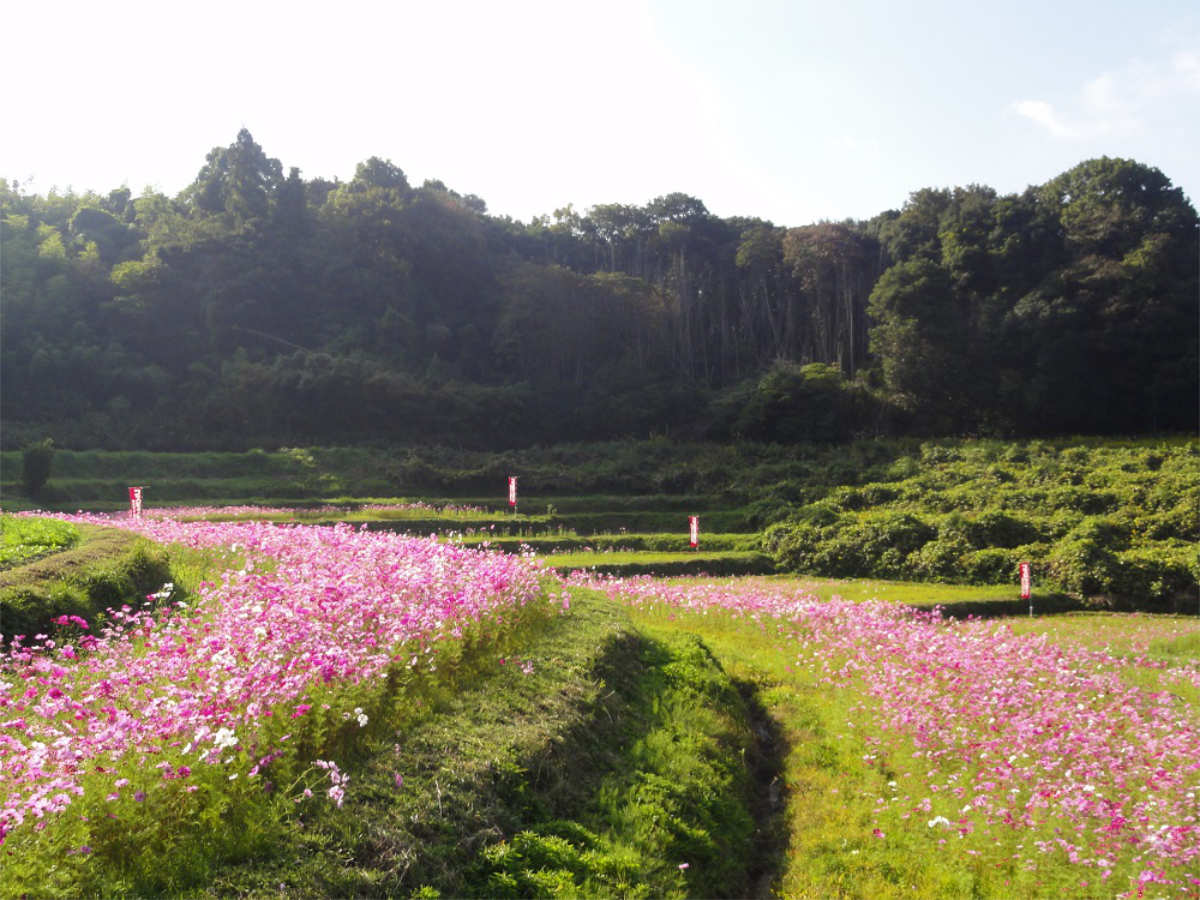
(260, 309)
(1113, 521)
(107, 568)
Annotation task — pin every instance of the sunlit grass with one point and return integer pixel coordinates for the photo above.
(25, 539)
(586, 560)
(908, 593)
(525, 774)
(872, 814)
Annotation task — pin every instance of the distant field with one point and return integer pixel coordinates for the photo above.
(909, 593)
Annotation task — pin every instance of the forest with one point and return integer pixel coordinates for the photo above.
(261, 309)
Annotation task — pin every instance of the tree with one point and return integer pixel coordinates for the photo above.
(918, 338)
(1128, 284)
(914, 232)
(238, 180)
(835, 267)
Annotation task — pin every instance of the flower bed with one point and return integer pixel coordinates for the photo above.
(178, 688)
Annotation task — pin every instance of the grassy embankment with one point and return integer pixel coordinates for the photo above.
(53, 569)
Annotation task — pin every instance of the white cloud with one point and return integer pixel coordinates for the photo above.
(1043, 113)
(1122, 102)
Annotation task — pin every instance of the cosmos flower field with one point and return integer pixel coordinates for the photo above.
(220, 689)
(1018, 749)
(1035, 753)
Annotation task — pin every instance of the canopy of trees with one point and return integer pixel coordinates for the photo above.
(258, 308)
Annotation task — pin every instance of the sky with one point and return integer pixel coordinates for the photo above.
(794, 112)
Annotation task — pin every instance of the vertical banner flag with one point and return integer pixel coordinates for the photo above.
(694, 531)
(135, 502)
(512, 491)
(1026, 580)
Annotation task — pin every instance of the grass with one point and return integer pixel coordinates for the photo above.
(22, 540)
(584, 758)
(567, 754)
(1170, 641)
(650, 563)
(956, 600)
(824, 784)
(106, 567)
(848, 788)
(652, 541)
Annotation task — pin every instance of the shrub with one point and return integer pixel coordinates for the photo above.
(793, 545)
(35, 466)
(943, 558)
(954, 526)
(995, 565)
(893, 536)
(108, 569)
(866, 496)
(1163, 574)
(993, 528)
(1108, 532)
(1179, 521)
(1081, 500)
(904, 468)
(1083, 566)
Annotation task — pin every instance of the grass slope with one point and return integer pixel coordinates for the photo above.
(593, 761)
(106, 568)
(732, 562)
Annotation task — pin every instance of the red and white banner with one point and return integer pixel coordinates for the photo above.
(1026, 580)
(512, 490)
(135, 502)
(694, 530)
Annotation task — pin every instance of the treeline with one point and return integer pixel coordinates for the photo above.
(260, 309)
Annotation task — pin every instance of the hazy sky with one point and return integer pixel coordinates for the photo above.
(791, 111)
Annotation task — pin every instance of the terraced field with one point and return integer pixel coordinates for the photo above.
(578, 715)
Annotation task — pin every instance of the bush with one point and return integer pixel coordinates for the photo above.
(994, 565)
(993, 528)
(888, 540)
(792, 403)
(1108, 532)
(793, 545)
(944, 558)
(1164, 574)
(1084, 567)
(1179, 521)
(865, 497)
(35, 467)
